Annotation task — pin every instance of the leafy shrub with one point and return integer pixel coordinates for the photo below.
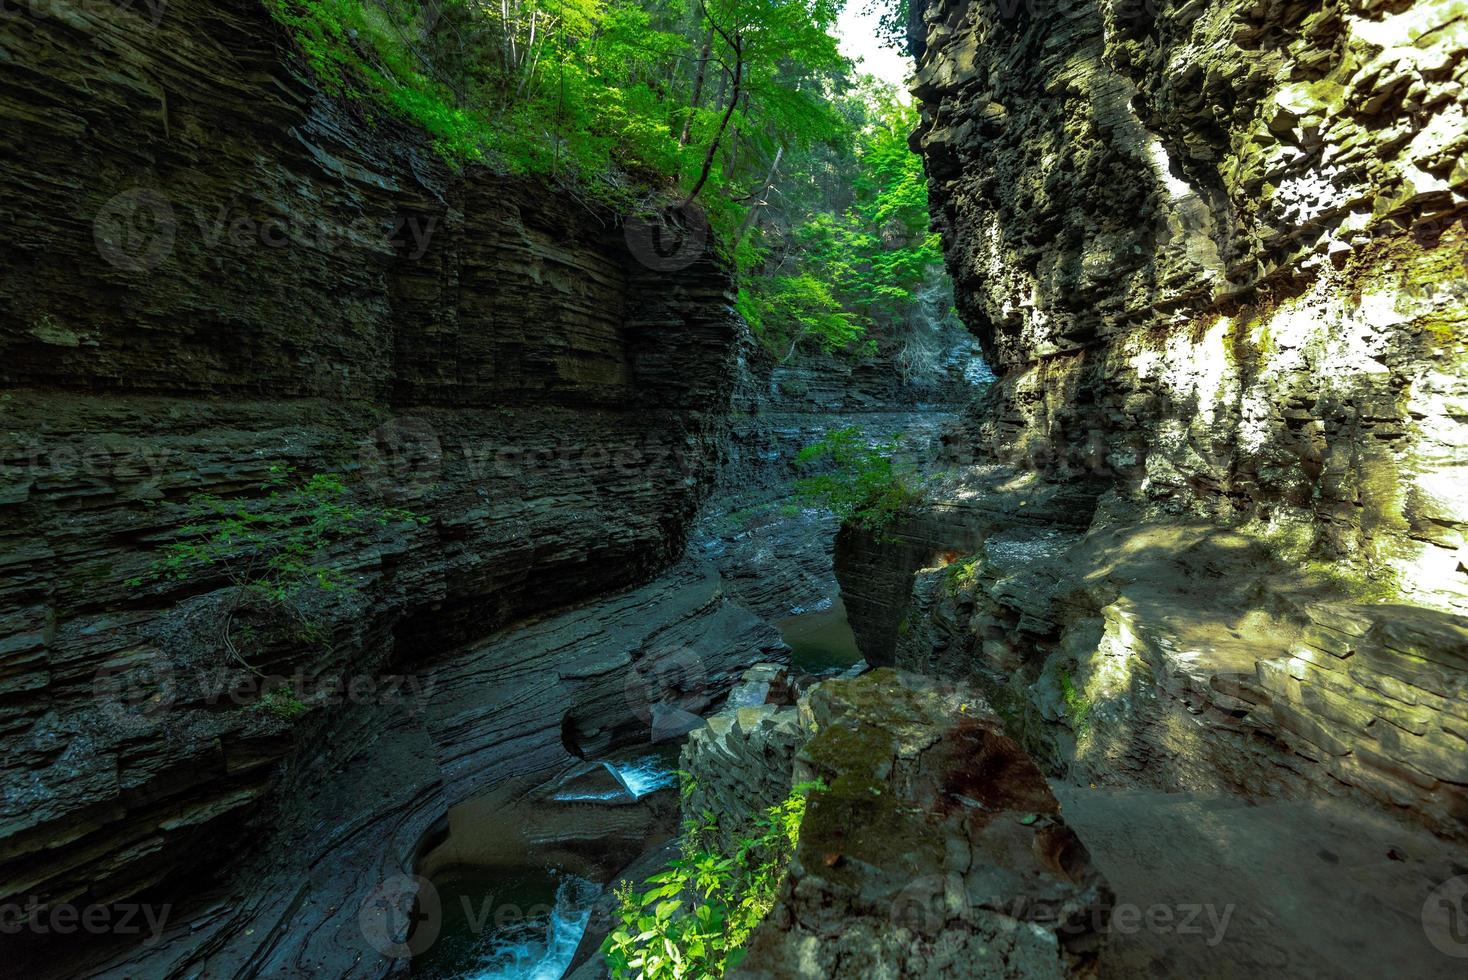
(363, 51)
(789, 311)
(962, 574)
(273, 546)
(696, 917)
(1077, 705)
(280, 702)
(859, 481)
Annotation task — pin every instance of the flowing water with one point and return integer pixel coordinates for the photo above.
(636, 777)
(518, 911)
(539, 947)
(521, 924)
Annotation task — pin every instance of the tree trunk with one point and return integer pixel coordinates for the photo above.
(764, 197)
(708, 158)
(703, 65)
(734, 137)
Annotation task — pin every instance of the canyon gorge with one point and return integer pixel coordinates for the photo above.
(1170, 616)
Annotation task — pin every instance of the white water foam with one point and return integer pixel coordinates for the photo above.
(638, 778)
(646, 775)
(541, 948)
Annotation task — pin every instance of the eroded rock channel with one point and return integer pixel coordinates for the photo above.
(1156, 668)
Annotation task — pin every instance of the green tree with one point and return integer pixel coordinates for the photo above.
(860, 228)
(854, 479)
(744, 106)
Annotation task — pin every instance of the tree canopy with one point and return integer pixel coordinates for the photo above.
(745, 106)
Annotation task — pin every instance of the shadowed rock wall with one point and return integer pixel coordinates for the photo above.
(212, 270)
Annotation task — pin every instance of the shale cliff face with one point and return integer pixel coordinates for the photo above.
(212, 270)
(1208, 528)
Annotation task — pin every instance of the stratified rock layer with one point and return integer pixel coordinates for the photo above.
(212, 270)
(1207, 530)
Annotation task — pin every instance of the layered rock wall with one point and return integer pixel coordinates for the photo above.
(741, 763)
(779, 563)
(213, 271)
(1215, 252)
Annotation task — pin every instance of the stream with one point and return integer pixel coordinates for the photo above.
(637, 778)
(520, 872)
(526, 926)
(820, 638)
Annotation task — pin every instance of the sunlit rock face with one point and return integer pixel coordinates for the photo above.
(937, 849)
(1216, 254)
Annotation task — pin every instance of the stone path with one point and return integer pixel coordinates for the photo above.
(1284, 889)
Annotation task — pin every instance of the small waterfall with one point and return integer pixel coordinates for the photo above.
(540, 947)
(643, 776)
(636, 779)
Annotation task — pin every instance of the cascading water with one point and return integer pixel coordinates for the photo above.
(518, 873)
(637, 778)
(643, 776)
(539, 947)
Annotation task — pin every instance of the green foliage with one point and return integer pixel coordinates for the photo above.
(280, 702)
(746, 105)
(273, 545)
(891, 22)
(962, 575)
(603, 93)
(1078, 706)
(872, 255)
(857, 481)
(366, 51)
(792, 309)
(696, 917)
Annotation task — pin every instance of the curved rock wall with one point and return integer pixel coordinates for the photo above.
(1216, 253)
(212, 270)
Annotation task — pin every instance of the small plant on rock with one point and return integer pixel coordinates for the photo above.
(962, 574)
(282, 703)
(854, 479)
(1077, 705)
(274, 546)
(696, 917)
